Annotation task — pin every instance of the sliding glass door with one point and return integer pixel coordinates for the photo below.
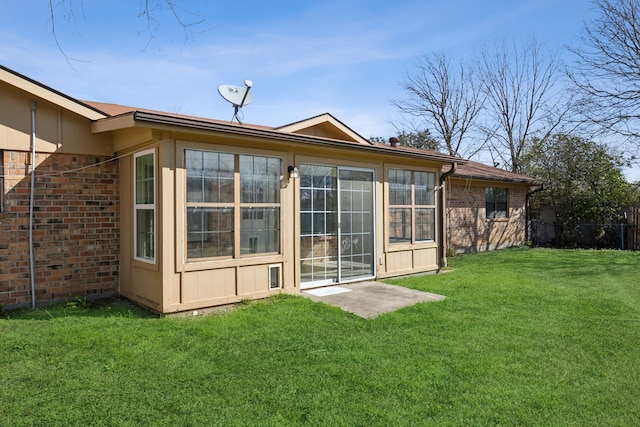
(336, 225)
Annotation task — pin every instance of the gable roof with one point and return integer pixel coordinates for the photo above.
(480, 171)
(41, 91)
(324, 125)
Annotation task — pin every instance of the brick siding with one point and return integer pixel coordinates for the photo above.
(470, 230)
(75, 229)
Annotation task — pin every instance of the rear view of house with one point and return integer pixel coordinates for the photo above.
(180, 213)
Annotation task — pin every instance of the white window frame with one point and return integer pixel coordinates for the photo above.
(145, 206)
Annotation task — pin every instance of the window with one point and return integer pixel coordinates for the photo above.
(144, 205)
(259, 204)
(217, 213)
(210, 204)
(411, 206)
(496, 202)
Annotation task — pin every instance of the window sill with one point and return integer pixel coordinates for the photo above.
(398, 247)
(213, 264)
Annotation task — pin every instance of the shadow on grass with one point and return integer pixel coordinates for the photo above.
(101, 308)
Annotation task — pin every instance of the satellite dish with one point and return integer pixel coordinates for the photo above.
(237, 96)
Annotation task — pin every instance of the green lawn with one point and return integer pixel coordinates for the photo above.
(525, 337)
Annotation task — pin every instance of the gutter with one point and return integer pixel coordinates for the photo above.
(244, 131)
(448, 173)
(138, 118)
(443, 214)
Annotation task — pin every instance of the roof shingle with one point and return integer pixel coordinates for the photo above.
(476, 170)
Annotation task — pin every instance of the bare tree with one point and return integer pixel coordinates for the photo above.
(444, 99)
(68, 10)
(519, 83)
(607, 72)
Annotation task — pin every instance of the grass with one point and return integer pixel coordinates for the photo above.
(525, 337)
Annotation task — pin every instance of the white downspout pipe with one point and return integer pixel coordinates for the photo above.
(33, 179)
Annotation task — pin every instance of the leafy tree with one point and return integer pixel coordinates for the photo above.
(418, 139)
(583, 180)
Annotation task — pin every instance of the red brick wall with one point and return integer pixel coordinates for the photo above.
(470, 230)
(76, 227)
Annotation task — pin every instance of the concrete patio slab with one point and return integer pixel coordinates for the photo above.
(371, 299)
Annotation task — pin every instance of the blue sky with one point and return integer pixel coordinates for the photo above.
(304, 57)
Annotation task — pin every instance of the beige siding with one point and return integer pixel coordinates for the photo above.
(140, 281)
(400, 262)
(57, 129)
(253, 279)
(409, 261)
(208, 286)
(425, 258)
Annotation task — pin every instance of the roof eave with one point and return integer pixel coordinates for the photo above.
(499, 179)
(140, 118)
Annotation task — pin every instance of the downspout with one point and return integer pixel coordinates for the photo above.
(33, 179)
(443, 214)
(527, 214)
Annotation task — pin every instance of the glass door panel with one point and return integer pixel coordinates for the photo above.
(333, 251)
(356, 224)
(318, 225)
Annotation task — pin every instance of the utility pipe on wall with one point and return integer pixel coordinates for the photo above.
(444, 244)
(33, 179)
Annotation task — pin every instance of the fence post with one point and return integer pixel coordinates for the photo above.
(622, 236)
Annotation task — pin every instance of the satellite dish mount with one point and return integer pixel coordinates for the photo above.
(237, 96)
